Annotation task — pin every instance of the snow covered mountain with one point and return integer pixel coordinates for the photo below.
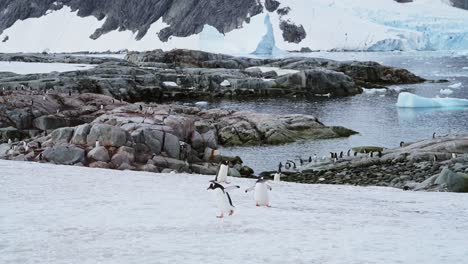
(235, 27)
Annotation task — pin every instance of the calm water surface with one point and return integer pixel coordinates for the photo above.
(375, 116)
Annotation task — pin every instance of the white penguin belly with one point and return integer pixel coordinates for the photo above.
(222, 201)
(261, 194)
(223, 172)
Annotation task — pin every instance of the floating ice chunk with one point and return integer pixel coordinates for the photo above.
(465, 68)
(397, 88)
(201, 104)
(409, 100)
(374, 91)
(456, 86)
(446, 91)
(170, 84)
(225, 83)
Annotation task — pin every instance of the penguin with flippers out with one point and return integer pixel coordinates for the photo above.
(221, 176)
(261, 189)
(222, 197)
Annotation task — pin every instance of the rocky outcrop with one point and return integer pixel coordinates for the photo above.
(439, 164)
(159, 76)
(157, 137)
(292, 33)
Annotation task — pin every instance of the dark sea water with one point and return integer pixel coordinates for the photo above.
(375, 116)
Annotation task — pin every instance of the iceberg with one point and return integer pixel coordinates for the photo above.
(446, 91)
(409, 100)
(455, 86)
(267, 45)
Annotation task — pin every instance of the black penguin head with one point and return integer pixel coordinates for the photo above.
(225, 162)
(214, 185)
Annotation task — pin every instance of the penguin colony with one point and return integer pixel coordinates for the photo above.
(221, 193)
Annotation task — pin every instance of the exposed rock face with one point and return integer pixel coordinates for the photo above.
(271, 5)
(184, 17)
(292, 33)
(460, 3)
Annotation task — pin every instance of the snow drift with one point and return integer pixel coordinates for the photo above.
(78, 215)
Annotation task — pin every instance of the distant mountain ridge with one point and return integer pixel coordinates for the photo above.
(296, 25)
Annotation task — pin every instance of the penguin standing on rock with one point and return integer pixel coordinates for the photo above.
(280, 167)
(349, 152)
(223, 199)
(222, 172)
(261, 189)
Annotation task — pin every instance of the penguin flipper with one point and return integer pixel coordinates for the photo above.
(229, 198)
(250, 189)
(269, 187)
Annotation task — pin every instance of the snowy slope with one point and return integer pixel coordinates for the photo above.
(54, 214)
(329, 24)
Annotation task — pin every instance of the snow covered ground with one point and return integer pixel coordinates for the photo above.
(329, 24)
(37, 67)
(55, 214)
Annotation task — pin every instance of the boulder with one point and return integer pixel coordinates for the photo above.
(150, 168)
(50, 122)
(126, 166)
(99, 154)
(452, 181)
(119, 159)
(172, 146)
(205, 169)
(62, 135)
(108, 136)
(153, 139)
(4, 148)
(99, 165)
(22, 118)
(80, 135)
(64, 154)
(10, 133)
(174, 164)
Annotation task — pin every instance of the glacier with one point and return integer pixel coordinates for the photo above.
(409, 100)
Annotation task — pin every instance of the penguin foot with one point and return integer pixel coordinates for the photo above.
(220, 216)
(231, 212)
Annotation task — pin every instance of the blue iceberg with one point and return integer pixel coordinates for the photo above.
(409, 100)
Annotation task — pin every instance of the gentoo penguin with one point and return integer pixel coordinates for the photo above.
(141, 108)
(341, 154)
(39, 145)
(98, 144)
(222, 172)
(315, 157)
(261, 189)
(69, 93)
(332, 155)
(58, 111)
(222, 197)
(401, 144)
(380, 154)
(280, 166)
(102, 107)
(436, 158)
(349, 152)
(277, 177)
(371, 154)
(355, 153)
(301, 161)
(9, 141)
(454, 156)
(43, 98)
(434, 135)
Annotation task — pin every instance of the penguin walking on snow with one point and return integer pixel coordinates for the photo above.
(261, 189)
(222, 173)
(223, 199)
